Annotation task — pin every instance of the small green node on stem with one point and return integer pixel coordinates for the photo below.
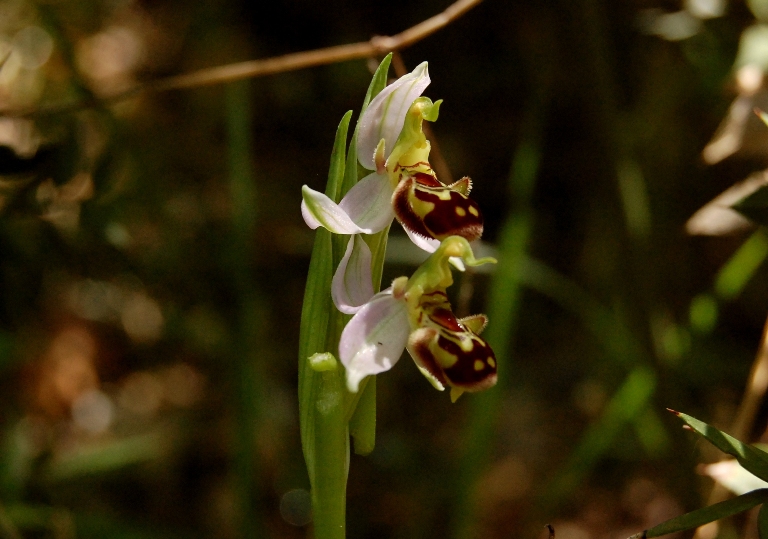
(322, 361)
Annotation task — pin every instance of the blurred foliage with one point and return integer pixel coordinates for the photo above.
(153, 259)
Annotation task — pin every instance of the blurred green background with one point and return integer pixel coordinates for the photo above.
(153, 257)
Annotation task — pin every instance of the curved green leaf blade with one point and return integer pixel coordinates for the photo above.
(751, 458)
(702, 516)
(317, 310)
(762, 523)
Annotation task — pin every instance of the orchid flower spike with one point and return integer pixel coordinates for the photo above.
(402, 184)
(415, 314)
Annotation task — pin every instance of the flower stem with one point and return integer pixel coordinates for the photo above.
(326, 407)
(332, 456)
(324, 432)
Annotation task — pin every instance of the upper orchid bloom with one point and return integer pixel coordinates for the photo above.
(415, 314)
(384, 118)
(391, 143)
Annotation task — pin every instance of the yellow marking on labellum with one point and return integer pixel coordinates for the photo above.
(491, 362)
(479, 365)
(461, 212)
(473, 211)
(420, 207)
(466, 344)
(444, 358)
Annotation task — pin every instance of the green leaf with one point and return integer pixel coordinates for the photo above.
(741, 267)
(103, 458)
(762, 522)
(318, 309)
(362, 426)
(378, 82)
(338, 160)
(702, 516)
(751, 458)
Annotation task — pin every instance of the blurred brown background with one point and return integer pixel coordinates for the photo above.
(153, 257)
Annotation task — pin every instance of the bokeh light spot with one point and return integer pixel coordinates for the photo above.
(93, 411)
(296, 507)
(33, 45)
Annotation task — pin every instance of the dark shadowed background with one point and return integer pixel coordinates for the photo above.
(153, 258)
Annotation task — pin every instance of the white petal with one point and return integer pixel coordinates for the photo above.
(384, 117)
(319, 210)
(430, 245)
(308, 217)
(369, 203)
(373, 341)
(352, 285)
(733, 477)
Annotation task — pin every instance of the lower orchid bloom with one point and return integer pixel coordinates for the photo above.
(402, 185)
(415, 314)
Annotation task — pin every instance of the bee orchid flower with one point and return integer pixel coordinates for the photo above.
(402, 184)
(414, 314)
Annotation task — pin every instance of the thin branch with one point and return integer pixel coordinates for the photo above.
(378, 45)
(754, 392)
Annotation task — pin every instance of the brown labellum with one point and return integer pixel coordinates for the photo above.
(449, 349)
(433, 210)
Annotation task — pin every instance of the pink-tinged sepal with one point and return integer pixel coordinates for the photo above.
(385, 116)
(365, 209)
(352, 287)
(374, 339)
(433, 210)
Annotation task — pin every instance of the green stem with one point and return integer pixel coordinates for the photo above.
(329, 492)
(326, 407)
(250, 333)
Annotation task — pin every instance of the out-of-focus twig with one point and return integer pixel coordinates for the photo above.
(378, 45)
(754, 392)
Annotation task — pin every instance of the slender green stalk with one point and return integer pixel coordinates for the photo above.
(249, 343)
(326, 407)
